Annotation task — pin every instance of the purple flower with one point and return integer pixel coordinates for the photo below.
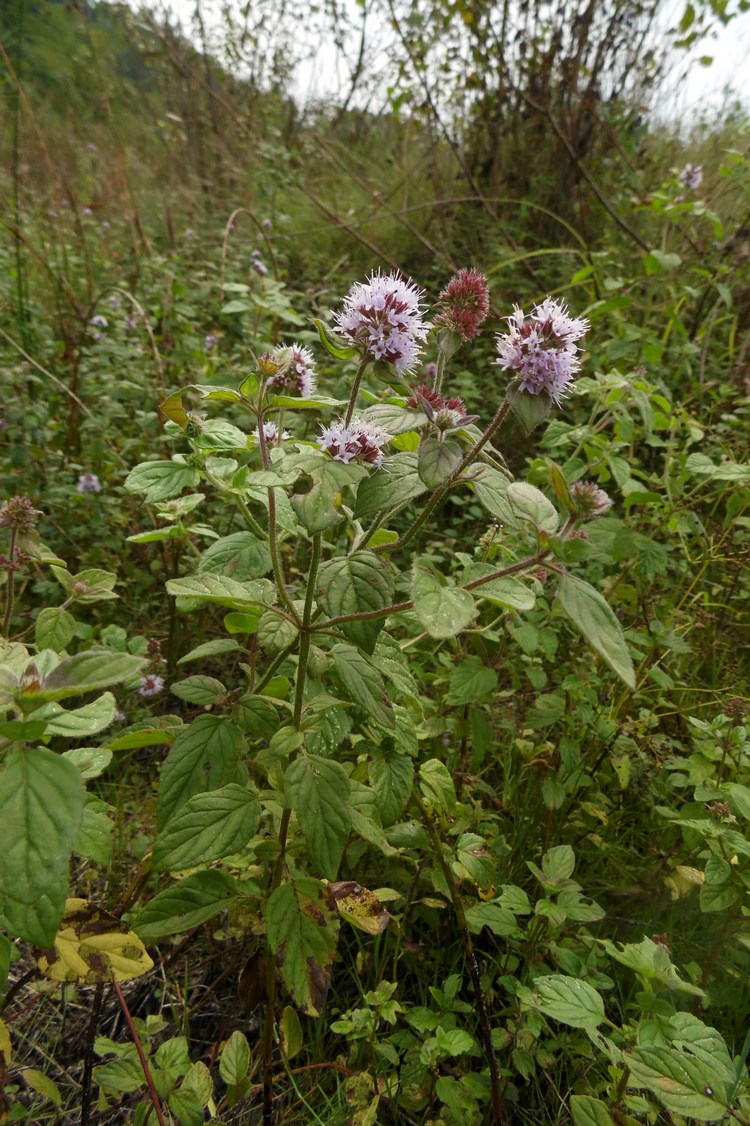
(296, 374)
(589, 500)
(384, 318)
(88, 483)
(691, 176)
(271, 434)
(98, 321)
(210, 341)
(542, 349)
(359, 441)
(151, 685)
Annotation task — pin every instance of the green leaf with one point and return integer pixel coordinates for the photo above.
(495, 917)
(88, 720)
(54, 629)
(530, 410)
(320, 507)
(85, 672)
(363, 683)
(591, 615)
(91, 761)
(588, 1111)
(41, 808)
(42, 1084)
(202, 690)
(223, 591)
(185, 905)
(443, 610)
(529, 505)
(158, 480)
(95, 838)
(469, 682)
(318, 789)
(92, 585)
(570, 1000)
(354, 584)
(391, 776)
(210, 649)
(234, 1060)
(491, 487)
(205, 756)
(239, 556)
(302, 924)
(506, 591)
(659, 261)
(681, 1082)
(438, 461)
(394, 418)
(336, 346)
(395, 483)
(207, 827)
(436, 784)
(275, 633)
(290, 1033)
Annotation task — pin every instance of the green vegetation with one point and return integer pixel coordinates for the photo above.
(387, 774)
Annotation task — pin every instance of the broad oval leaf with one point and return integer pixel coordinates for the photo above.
(318, 789)
(595, 620)
(91, 946)
(203, 757)
(185, 905)
(443, 610)
(302, 924)
(355, 584)
(206, 828)
(570, 1000)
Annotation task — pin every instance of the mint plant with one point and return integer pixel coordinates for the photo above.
(312, 745)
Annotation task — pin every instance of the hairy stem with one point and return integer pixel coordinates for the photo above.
(355, 392)
(10, 584)
(278, 871)
(141, 1056)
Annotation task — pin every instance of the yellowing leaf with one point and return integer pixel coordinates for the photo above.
(360, 907)
(5, 1045)
(90, 947)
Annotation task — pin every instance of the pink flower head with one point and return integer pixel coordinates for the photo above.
(151, 685)
(541, 348)
(589, 499)
(464, 303)
(359, 441)
(296, 374)
(384, 318)
(691, 176)
(271, 434)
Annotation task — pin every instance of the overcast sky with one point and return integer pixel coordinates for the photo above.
(691, 88)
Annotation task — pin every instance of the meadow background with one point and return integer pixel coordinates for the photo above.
(172, 207)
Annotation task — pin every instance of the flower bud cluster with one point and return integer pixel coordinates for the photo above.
(295, 373)
(589, 500)
(464, 303)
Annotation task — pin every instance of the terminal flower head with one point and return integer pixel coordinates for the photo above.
(589, 499)
(542, 349)
(296, 372)
(384, 318)
(359, 441)
(464, 303)
(151, 685)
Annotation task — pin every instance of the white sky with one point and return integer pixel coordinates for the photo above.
(691, 88)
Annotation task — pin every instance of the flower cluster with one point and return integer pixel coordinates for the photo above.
(271, 434)
(88, 483)
(464, 303)
(384, 318)
(446, 414)
(691, 176)
(541, 348)
(296, 372)
(19, 513)
(589, 500)
(151, 685)
(359, 441)
(257, 264)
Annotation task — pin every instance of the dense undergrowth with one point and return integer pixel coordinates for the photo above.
(482, 853)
